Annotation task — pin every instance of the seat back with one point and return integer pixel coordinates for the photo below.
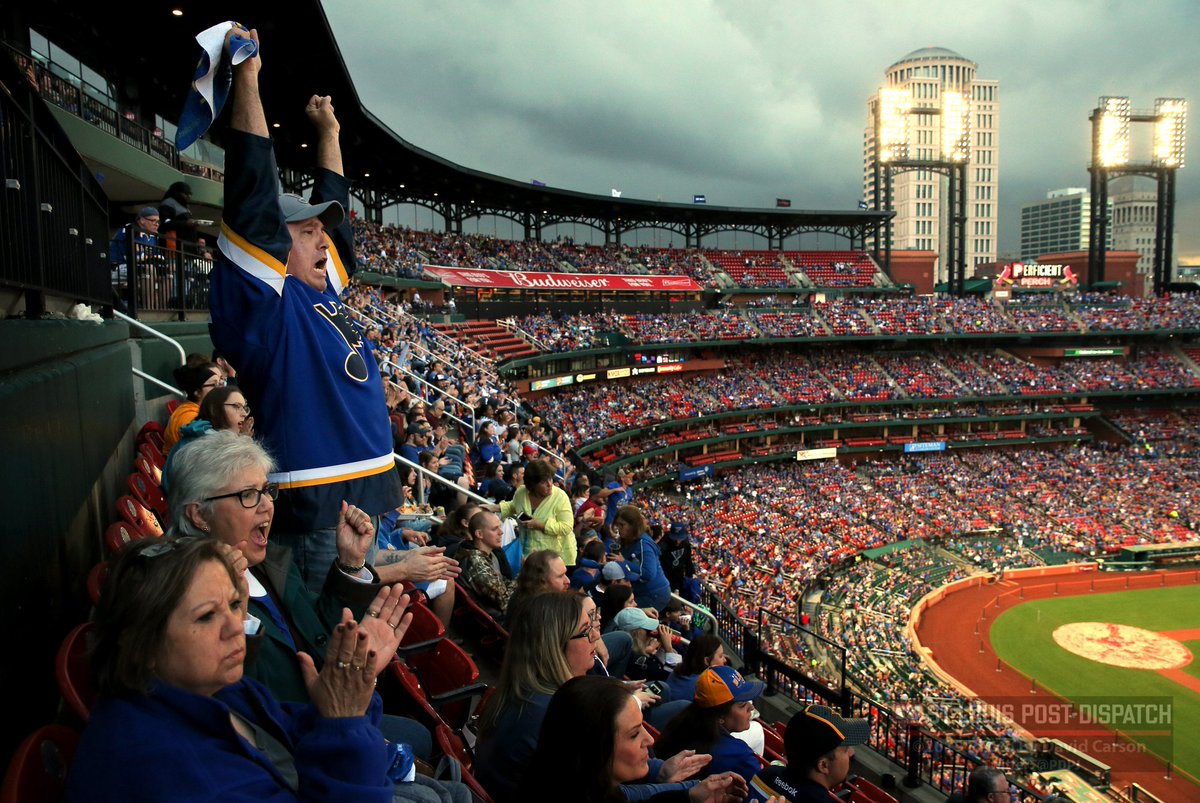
(173, 405)
(424, 632)
(152, 472)
(135, 513)
(444, 669)
(773, 749)
(73, 671)
(37, 772)
(148, 429)
(452, 745)
(415, 703)
(153, 453)
(476, 622)
(148, 494)
(450, 680)
(120, 533)
(96, 578)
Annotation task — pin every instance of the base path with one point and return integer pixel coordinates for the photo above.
(951, 630)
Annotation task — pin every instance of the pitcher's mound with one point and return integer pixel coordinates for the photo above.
(1122, 645)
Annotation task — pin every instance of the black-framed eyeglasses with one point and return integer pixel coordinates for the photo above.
(593, 625)
(251, 497)
(245, 408)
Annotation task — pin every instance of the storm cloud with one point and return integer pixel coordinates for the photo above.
(751, 100)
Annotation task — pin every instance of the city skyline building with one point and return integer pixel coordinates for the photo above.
(1134, 215)
(932, 85)
(1060, 222)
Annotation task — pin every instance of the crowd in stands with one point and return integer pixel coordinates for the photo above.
(777, 378)
(852, 317)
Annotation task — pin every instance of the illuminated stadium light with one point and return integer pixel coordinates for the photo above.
(1170, 131)
(1113, 147)
(956, 127)
(894, 105)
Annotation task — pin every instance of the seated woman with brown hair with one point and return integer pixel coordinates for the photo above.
(593, 748)
(177, 721)
(226, 408)
(722, 705)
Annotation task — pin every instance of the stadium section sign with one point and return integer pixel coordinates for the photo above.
(528, 280)
(1030, 275)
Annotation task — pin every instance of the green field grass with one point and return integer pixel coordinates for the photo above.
(1193, 668)
(1022, 637)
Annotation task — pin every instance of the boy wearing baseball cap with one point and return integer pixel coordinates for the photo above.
(819, 746)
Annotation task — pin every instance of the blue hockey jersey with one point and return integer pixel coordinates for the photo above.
(303, 364)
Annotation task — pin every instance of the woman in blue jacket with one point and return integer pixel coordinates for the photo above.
(177, 721)
(641, 554)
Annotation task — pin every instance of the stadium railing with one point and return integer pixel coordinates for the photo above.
(54, 214)
(925, 757)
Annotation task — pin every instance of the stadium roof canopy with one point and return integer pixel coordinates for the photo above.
(155, 55)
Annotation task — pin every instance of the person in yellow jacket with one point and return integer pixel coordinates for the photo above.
(543, 511)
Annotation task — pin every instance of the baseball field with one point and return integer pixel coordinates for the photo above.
(1121, 660)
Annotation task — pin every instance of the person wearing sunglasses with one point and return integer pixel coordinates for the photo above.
(219, 489)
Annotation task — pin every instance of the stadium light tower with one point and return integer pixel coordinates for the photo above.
(1112, 121)
(892, 155)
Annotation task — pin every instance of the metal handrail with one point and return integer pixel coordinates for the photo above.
(421, 470)
(445, 396)
(159, 335)
(466, 352)
(158, 382)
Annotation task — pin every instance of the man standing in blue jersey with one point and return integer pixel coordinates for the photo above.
(304, 365)
(620, 494)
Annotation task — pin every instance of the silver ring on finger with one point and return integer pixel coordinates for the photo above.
(343, 665)
(374, 614)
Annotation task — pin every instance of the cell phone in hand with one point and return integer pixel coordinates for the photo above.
(524, 517)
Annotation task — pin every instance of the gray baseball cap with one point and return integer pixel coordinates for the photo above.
(296, 209)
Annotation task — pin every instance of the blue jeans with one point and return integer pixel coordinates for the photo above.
(315, 551)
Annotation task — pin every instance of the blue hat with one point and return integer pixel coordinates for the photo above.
(581, 578)
(718, 685)
(678, 531)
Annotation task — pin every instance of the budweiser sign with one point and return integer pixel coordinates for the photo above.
(527, 280)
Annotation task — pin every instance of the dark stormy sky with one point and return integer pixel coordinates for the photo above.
(748, 100)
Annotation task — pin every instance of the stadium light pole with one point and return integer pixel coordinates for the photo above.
(1111, 157)
(893, 109)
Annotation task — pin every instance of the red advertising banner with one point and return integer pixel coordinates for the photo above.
(529, 280)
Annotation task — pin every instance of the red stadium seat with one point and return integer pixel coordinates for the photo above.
(424, 632)
(120, 533)
(173, 405)
(96, 578)
(152, 472)
(148, 494)
(478, 624)
(153, 454)
(148, 429)
(73, 671)
(37, 772)
(134, 512)
(451, 744)
(449, 679)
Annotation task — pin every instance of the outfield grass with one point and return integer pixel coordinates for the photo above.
(1193, 668)
(1022, 637)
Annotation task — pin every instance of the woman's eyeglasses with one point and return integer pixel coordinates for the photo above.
(251, 497)
(593, 626)
(245, 408)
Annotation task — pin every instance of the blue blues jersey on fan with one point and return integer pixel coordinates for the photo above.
(306, 368)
